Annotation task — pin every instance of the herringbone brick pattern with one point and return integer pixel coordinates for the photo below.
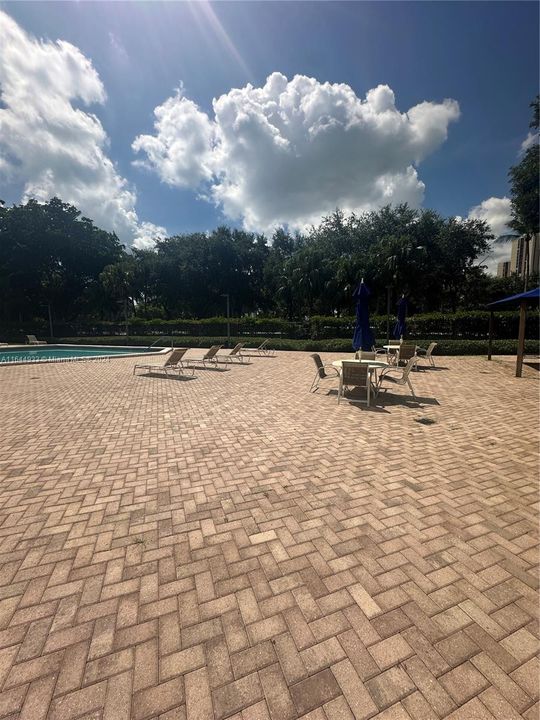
(234, 547)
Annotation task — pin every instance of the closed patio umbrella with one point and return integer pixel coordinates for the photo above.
(363, 338)
(400, 328)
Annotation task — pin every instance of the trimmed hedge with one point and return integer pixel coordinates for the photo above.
(467, 325)
(472, 325)
(444, 347)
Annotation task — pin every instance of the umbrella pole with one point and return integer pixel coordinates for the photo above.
(521, 338)
(490, 340)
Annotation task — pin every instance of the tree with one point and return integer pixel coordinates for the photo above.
(524, 188)
(49, 255)
(119, 285)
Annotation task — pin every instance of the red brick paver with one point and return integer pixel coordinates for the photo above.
(234, 547)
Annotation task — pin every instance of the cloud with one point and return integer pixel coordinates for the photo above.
(530, 140)
(49, 143)
(146, 235)
(117, 48)
(291, 151)
(498, 214)
(181, 149)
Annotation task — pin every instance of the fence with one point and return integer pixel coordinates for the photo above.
(437, 326)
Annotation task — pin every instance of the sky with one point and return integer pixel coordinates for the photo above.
(160, 118)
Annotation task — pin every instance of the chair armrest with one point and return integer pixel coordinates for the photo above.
(387, 370)
(329, 367)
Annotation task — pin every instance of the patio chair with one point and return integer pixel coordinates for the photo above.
(209, 357)
(32, 340)
(427, 353)
(322, 372)
(389, 357)
(262, 351)
(406, 352)
(398, 376)
(235, 355)
(171, 364)
(366, 355)
(354, 374)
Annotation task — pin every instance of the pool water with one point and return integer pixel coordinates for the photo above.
(48, 353)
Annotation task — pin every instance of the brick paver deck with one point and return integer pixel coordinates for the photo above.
(234, 547)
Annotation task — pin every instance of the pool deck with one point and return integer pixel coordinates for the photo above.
(231, 546)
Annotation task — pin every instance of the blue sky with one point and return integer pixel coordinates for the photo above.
(483, 55)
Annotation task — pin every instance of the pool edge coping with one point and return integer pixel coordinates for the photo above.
(14, 348)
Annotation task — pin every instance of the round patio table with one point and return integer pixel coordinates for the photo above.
(371, 363)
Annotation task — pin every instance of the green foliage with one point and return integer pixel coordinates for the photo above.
(469, 325)
(524, 185)
(444, 347)
(49, 255)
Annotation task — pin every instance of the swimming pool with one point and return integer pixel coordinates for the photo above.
(58, 353)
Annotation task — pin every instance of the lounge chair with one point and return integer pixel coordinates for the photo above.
(355, 374)
(262, 351)
(209, 357)
(427, 353)
(235, 355)
(398, 376)
(32, 340)
(322, 373)
(172, 364)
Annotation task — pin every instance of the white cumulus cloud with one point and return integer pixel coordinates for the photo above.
(497, 212)
(49, 143)
(530, 140)
(291, 151)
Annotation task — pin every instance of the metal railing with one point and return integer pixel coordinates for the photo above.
(160, 338)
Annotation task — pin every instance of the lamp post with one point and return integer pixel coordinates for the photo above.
(49, 312)
(226, 295)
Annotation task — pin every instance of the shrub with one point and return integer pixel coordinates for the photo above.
(444, 347)
(471, 325)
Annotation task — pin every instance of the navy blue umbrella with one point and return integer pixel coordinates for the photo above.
(363, 338)
(400, 328)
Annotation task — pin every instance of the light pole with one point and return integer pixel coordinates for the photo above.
(388, 302)
(49, 311)
(226, 295)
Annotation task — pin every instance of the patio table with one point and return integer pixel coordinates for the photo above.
(373, 366)
(370, 363)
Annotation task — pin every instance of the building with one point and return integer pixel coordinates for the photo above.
(518, 256)
(516, 265)
(503, 269)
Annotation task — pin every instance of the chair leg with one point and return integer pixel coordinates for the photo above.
(411, 387)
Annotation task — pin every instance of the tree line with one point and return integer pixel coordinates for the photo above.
(52, 257)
